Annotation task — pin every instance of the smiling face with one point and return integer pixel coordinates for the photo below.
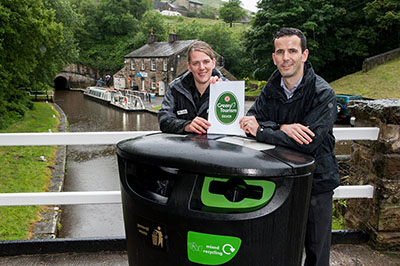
(201, 66)
(289, 58)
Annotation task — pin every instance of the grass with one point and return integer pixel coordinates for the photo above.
(381, 82)
(22, 170)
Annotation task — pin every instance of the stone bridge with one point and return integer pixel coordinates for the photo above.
(75, 76)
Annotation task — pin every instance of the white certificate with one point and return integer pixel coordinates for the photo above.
(226, 107)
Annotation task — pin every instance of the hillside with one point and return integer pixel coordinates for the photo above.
(381, 82)
(173, 22)
(213, 3)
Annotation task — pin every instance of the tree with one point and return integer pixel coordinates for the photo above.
(385, 16)
(230, 46)
(338, 33)
(154, 20)
(112, 28)
(30, 37)
(65, 50)
(231, 11)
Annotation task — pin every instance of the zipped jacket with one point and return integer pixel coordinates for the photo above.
(178, 108)
(313, 104)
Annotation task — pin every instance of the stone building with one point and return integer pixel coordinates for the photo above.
(153, 66)
(191, 5)
(181, 6)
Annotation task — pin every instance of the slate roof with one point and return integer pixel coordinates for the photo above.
(175, 7)
(196, 2)
(160, 49)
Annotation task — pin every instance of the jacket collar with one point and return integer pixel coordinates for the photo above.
(307, 78)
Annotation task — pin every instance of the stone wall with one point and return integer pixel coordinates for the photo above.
(374, 61)
(377, 163)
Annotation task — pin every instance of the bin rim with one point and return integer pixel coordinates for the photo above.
(198, 154)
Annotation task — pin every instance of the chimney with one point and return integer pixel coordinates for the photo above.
(151, 37)
(173, 37)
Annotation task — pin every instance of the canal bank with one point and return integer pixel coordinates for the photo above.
(47, 226)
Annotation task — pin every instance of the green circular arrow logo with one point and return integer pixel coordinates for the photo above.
(226, 108)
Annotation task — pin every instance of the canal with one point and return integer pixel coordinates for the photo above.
(94, 167)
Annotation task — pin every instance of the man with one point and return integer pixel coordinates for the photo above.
(185, 105)
(297, 109)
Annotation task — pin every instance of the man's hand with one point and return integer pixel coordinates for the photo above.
(301, 134)
(198, 125)
(249, 124)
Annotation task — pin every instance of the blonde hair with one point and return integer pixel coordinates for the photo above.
(200, 46)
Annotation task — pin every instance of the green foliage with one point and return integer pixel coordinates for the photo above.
(36, 43)
(154, 20)
(189, 31)
(230, 46)
(231, 11)
(339, 32)
(385, 16)
(338, 210)
(112, 29)
(207, 12)
(21, 170)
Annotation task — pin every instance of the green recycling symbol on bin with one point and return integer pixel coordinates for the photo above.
(209, 249)
(226, 108)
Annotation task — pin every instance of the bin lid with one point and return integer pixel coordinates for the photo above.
(211, 155)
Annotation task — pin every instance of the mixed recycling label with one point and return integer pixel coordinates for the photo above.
(211, 249)
(227, 108)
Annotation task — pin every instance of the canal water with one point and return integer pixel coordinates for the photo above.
(94, 167)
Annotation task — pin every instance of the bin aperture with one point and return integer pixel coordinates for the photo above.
(236, 193)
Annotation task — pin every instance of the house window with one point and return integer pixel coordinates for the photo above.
(165, 64)
(142, 64)
(153, 84)
(132, 64)
(153, 64)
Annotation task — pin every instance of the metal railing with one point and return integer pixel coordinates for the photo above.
(102, 197)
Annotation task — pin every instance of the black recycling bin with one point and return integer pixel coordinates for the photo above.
(213, 200)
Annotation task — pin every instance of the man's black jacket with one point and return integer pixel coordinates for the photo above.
(313, 104)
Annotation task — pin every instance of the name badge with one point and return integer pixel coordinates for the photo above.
(182, 112)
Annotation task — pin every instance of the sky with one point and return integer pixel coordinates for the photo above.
(250, 5)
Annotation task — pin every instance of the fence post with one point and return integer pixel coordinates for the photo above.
(377, 163)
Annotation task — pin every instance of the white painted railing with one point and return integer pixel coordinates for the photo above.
(114, 197)
(106, 197)
(69, 138)
(91, 138)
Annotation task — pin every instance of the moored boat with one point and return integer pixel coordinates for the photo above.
(101, 93)
(126, 101)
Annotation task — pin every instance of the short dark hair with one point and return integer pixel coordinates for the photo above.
(289, 32)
